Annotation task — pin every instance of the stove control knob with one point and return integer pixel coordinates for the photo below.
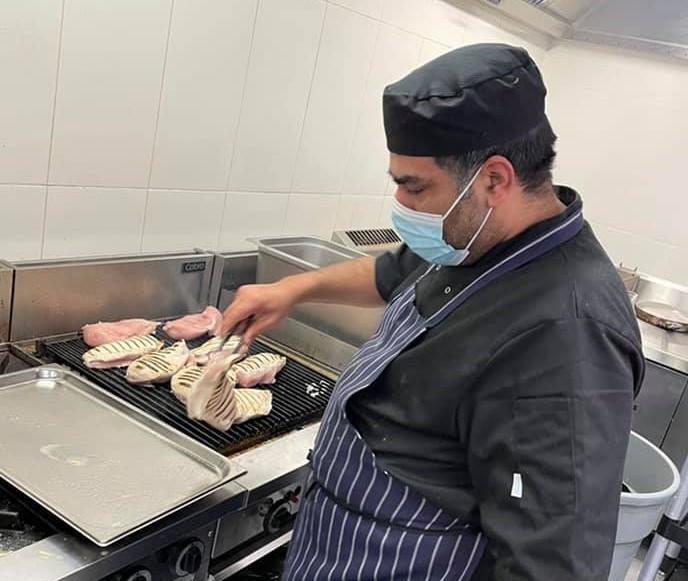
(188, 558)
(139, 575)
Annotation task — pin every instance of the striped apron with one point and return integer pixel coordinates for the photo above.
(357, 522)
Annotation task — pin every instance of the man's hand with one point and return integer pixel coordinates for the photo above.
(257, 308)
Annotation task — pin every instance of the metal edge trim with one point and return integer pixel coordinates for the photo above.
(227, 572)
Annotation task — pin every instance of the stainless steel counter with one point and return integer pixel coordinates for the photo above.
(65, 557)
(668, 348)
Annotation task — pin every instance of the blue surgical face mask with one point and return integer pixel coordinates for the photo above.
(423, 232)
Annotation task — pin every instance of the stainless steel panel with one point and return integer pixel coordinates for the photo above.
(656, 403)
(280, 257)
(101, 465)
(6, 283)
(56, 297)
(64, 557)
(676, 441)
(237, 270)
(666, 347)
(276, 463)
(313, 343)
(252, 557)
(305, 252)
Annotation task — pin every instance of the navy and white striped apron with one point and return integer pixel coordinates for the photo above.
(356, 522)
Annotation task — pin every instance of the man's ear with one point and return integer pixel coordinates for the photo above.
(499, 180)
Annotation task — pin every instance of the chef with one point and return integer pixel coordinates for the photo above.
(481, 432)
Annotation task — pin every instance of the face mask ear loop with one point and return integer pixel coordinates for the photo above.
(477, 233)
(463, 193)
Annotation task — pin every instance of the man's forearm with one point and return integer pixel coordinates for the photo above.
(351, 282)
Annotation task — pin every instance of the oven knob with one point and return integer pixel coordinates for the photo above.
(188, 559)
(139, 575)
(279, 516)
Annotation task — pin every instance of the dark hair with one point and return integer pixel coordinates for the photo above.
(531, 155)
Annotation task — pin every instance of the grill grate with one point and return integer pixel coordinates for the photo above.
(373, 236)
(299, 396)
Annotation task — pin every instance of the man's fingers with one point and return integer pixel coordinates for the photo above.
(231, 318)
(255, 328)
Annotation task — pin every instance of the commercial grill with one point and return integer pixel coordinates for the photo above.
(211, 538)
(298, 397)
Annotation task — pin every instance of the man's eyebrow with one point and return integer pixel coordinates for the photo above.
(405, 179)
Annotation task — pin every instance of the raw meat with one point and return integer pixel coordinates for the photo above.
(194, 326)
(260, 368)
(100, 333)
(120, 353)
(159, 366)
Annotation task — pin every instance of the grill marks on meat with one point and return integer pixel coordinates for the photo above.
(159, 366)
(260, 368)
(96, 334)
(184, 380)
(252, 403)
(120, 353)
(207, 386)
(194, 326)
(202, 354)
(222, 404)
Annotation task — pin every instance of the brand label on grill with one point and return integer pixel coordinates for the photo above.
(198, 266)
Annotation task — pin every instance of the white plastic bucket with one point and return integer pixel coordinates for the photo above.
(654, 479)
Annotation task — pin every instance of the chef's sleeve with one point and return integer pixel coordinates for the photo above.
(547, 444)
(393, 268)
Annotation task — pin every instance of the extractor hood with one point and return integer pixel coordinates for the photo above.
(657, 26)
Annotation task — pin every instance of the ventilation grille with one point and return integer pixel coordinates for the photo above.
(371, 237)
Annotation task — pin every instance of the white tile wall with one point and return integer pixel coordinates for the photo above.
(622, 144)
(372, 8)
(21, 235)
(249, 215)
(311, 214)
(201, 98)
(396, 53)
(433, 19)
(660, 259)
(346, 48)
(355, 211)
(430, 50)
(203, 122)
(29, 40)
(285, 46)
(84, 221)
(182, 220)
(108, 91)
(385, 218)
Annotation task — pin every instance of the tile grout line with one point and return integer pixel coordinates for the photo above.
(222, 222)
(308, 97)
(361, 107)
(286, 213)
(52, 130)
(243, 98)
(155, 131)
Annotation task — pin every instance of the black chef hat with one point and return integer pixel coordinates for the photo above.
(468, 99)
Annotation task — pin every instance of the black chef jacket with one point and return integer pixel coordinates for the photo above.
(516, 409)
